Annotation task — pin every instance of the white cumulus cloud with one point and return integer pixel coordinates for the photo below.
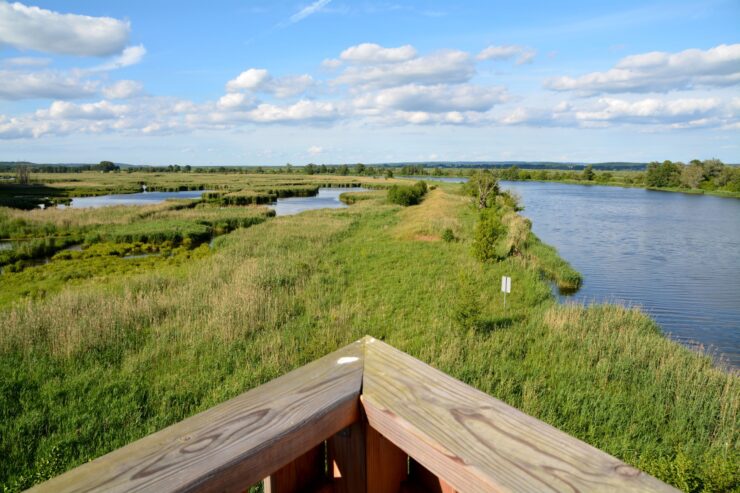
(44, 85)
(34, 28)
(123, 89)
(650, 110)
(374, 53)
(660, 71)
(259, 80)
(234, 100)
(303, 110)
(253, 79)
(444, 67)
(434, 99)
(130, 56)
(88, 111)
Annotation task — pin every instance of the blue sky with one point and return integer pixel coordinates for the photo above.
(265, 83)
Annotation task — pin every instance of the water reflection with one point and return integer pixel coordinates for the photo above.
(142, 198)
(327, 198)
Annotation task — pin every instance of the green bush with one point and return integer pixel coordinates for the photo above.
(489, 237)
(159, 231)
(448, 235)
(407, 195)
(35, 248)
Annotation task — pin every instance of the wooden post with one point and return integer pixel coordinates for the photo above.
(346, 453)
(306, 472)
(387, 465)
(364, 461)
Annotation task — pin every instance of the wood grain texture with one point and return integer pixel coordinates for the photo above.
(477, 443)
(237, 443)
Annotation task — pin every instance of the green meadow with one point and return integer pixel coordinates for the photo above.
(102, 346)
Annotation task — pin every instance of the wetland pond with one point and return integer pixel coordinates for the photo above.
(141, 198)
(327, 198)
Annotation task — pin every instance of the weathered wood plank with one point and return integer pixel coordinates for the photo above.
(303, 474)
(237, 443)
(477, 443)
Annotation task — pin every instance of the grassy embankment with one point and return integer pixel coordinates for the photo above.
(100, 364)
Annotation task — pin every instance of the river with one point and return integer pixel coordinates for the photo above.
(675, 255)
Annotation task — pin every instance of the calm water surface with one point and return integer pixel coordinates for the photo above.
(142, 198)
(327, 198)
(675, 255)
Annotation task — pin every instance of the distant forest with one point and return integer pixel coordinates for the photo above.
(406, 167)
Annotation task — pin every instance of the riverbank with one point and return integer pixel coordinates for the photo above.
(104, 362)
(689, 191)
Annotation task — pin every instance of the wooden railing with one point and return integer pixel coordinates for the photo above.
(365, 419)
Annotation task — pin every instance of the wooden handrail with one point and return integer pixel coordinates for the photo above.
(478, 443)
(390, 408)
(237, 443)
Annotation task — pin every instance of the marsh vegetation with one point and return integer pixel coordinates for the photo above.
(99, 361)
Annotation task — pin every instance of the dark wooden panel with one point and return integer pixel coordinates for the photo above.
(303, 474)
(423, 479)
(387, 465)
(346, 454)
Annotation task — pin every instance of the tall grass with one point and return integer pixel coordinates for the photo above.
(545, 258)
(105, 362)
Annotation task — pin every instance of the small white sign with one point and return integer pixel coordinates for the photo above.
(506, 284)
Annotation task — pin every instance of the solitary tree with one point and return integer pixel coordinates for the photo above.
(483, 185)
(588, 173)
(22, 175)
(106, 166)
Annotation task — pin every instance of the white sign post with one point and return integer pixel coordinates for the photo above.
(505, 287)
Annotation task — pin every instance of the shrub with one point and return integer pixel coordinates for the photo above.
(518, 229)
(448, 235)
(407, 195)
(158, 231)
(489, 236)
